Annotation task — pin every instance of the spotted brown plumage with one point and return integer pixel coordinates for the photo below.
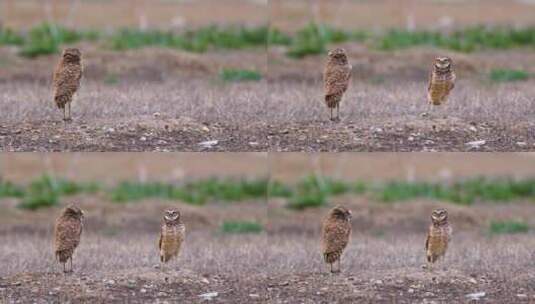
(441, 81)
(67, 233)
(67, 76)
(335, 235)
(336, 77)
(172, 235)
(438, 236)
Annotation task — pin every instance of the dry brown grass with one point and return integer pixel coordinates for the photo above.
(403, 102)
(101, 103)
(105, 255)
(372, 257)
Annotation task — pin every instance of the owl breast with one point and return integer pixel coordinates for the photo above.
(171, 241)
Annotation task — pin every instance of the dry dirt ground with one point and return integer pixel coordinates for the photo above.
(385, 107)
(146, 100)
(117, 260)
(383, 263)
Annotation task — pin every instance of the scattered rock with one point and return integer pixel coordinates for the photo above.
(143, 138)
(143, 290)
(254, 295)
(156, 114)
(476, 295)
(208, 296)
(476, 144)
(410, 290)
(205, 129)
(208, 143)
(521, 143)
(522, 296)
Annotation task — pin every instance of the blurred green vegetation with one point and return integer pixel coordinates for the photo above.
(199, 40)
(506, 75)
(47, 38)
(311, 191)
(508, 227)
(195, 192)
(312, 39)
(233, 227)
(314, 191)
(233, 75)
(47, 190)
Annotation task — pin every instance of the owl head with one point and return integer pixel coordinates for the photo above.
(73, 211)
(342, 213)
(338, 55)
(439, 216)
(171, 216)
(442, 63)
(72, 55)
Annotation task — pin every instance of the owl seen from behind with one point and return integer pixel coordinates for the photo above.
(335, 235)
(336, 76)
(67, 76)
(67, 233)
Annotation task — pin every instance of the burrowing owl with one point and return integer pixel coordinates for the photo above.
(67, 77)
(441, 81)
(438, 236)
(335, 235)
(172, 235)
(336, 77)
(67, 232)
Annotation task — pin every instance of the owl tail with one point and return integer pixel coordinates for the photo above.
(61, 100)
(63, 255)
(331, 257)
(332, 100)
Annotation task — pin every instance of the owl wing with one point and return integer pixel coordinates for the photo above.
(335, 236)
(66, 80)
(160, 239)
(430, 81)
(336, 79)
(68, 233)
(452, 82)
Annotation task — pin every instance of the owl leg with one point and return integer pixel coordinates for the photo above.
(331, 267)
(69, 117)
(339, 267)
(338, 112)
(64, 270)
(71, 270)
(331, 114)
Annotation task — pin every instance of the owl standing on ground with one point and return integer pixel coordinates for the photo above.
(67, 232)
(172, 235)
(438, 236)
(336, 77)
(335, 235)
(66, 80)
(441, 81)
